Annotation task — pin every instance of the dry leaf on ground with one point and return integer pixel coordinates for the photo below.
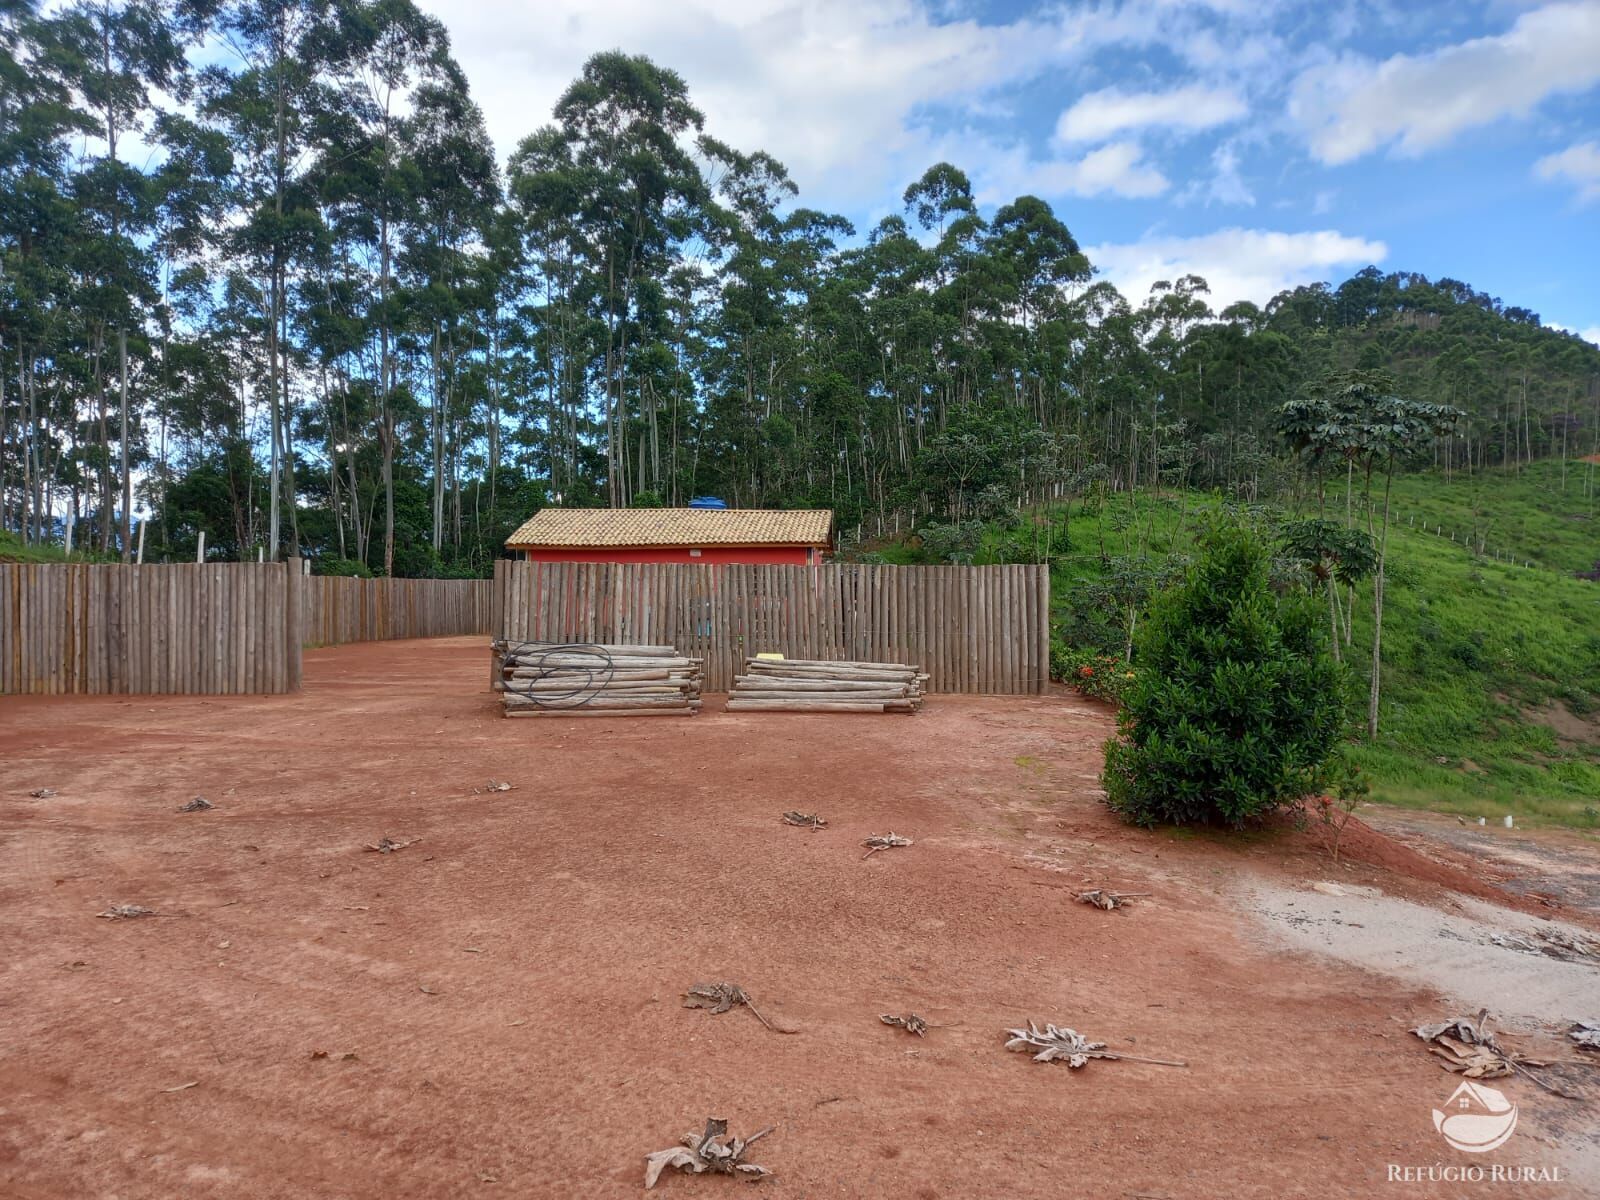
(720, 997)
(910, 1022)
(496, 785)
(1467, 1046)
(390, 845)
(1101, 898)
(1552, 943)
(1586, 1034)
(884, 841)
(712, 1151)
(1060, 1043)
(42, 793)
(805, 820)
(123, 912)
(198, 804)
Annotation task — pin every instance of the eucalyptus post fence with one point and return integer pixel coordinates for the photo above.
(342, 609)
(205, 628)
(973, 629)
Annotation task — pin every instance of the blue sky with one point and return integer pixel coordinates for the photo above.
(1259, 144)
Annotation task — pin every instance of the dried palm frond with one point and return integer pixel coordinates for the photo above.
(712, 1151)
(126, 912)
(1468, 1046)
(720, 997)
(1055, 1044)
(911, 1023)
(884, 841)
(1101, 898)
(1586, 1034)
(390, 845)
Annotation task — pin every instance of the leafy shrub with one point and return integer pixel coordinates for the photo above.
(332, 564)
(1236, 708)
(957, 542)
(1105, 677)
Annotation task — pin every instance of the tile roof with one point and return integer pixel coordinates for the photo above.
(674, 527)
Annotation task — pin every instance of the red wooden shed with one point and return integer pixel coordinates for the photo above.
(769, 537)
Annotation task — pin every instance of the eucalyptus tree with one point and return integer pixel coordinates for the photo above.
(39, 223)
(125, 51)
(265, 100)
(624, 120)
(444, 255)
(379, 56)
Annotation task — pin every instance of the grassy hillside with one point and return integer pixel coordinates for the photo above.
(1493, 668)
(1491, 701)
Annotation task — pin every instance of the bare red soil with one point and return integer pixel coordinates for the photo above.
(499, 1004)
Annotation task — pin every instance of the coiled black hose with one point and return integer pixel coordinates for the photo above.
(587, 677)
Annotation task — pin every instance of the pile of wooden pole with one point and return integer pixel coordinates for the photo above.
(813, 685)
(538, 680)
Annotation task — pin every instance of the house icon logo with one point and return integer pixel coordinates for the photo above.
(1476, 1119)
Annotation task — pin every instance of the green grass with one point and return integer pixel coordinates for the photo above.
(1474, 648)
(13, 549)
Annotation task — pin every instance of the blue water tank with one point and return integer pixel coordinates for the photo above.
(707, 502)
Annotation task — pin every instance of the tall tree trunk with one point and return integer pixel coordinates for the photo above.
(1377, 610)
(127, 476)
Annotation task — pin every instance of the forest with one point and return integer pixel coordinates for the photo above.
(263, 278)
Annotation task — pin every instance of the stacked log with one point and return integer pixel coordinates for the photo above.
(538, 679)
(815, 685)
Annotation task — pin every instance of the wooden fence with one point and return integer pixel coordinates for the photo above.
(211, 628)
(218, 628)
(206, 628)
(341, 609)
(973, 629)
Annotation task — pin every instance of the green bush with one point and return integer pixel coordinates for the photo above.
(1236, 708)
(1105, 677)
(331, 564)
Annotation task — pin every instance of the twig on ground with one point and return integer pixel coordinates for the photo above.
(804, 820)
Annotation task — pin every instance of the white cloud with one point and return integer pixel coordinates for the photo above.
(1225, 186)
(1104, 114)
(836, 89)
(1239, 264)
(1579, 165)
(1354, 105)
(1001, 174)
(1591, 334)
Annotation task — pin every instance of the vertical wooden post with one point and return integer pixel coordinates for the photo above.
(294, 622)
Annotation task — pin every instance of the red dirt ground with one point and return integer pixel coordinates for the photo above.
(555, 926)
